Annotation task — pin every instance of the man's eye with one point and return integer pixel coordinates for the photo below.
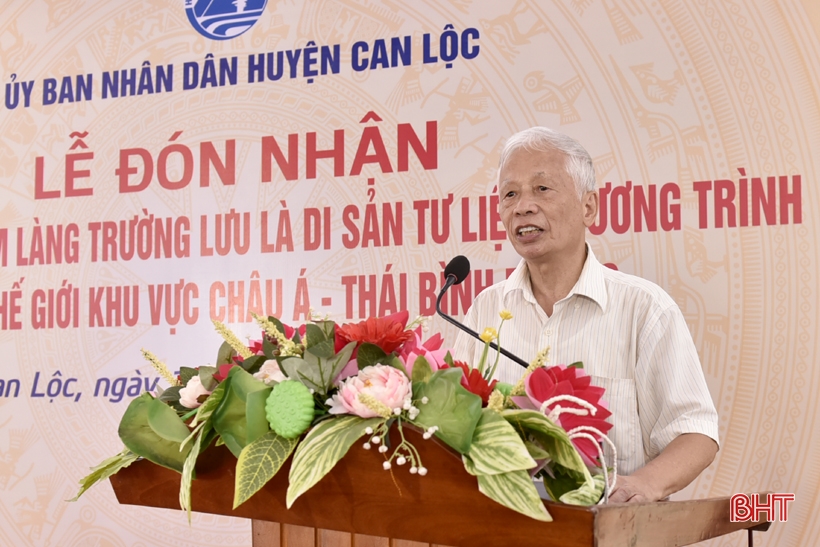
(543, 188)
(509, 194)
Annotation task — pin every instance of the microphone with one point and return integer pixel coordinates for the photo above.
(457, 271)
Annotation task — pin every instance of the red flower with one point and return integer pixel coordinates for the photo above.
(546, 383)
(474, 382)
(223, 371)
(388, 333)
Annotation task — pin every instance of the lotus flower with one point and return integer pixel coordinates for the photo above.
(545, 384)
(387, 385)
(270, 372)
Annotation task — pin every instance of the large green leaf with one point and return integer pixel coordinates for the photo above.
(230, 418)
(258, 463)
(104, 470)
(225, 354)
(585, 495)
(496, 447)
(321, 449)
(256, 418)
(516, 491)
(452, 408)
(552, 438)
(319, 341)
(166, 422)
(139, 437)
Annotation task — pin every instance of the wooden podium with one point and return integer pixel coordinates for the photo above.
(360, 504)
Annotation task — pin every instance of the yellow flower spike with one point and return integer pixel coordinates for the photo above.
(489, 335)
(496, 401)
(160, 367)
(286, 347)
(375, 405)
(506, 315)
(232, 340)
(537, 363)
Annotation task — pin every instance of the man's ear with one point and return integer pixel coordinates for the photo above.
(589, 202)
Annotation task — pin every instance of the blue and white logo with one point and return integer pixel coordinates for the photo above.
(223, 19)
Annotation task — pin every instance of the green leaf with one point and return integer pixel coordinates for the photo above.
(516, 491)
(452, 408)
(314, 372)
(206, 376)
(188, 470)
(448, 358)
(253, 364)
(576, 364)
(257, 421)
(496, 447)
(321, 449)
(105, 469)
(258, 463)
(422, 371)
(170, 395)
(552, 438)
(395, 362)
(225, 354)
(585, 495)
(207, 408)
(166, 422)
(369, 355)
(536, 452)
(230, 418)
(318, 342)
(185, 374)
(139, 437)
(268, 347)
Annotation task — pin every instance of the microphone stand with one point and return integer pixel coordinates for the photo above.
(451, 280)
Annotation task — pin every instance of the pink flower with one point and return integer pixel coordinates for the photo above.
(430, 350)
(547, 383)
(387, 385)
(193, 394)
(270, 372)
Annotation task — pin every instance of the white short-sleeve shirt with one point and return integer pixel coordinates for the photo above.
(632, 339)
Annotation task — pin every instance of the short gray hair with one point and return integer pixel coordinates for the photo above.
(579, 163)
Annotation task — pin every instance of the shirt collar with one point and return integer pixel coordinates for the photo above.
(590, 284)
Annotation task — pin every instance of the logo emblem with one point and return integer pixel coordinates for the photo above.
(223, 19)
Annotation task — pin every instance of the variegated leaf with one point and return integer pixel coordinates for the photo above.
(552, 438)
(516, 491)
(496, 447)
(322, 448)
(585, 495)
(258, 463)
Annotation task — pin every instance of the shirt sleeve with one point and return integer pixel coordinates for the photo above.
(673, 397)
(465, 346)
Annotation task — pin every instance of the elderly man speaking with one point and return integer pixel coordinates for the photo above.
(630, 334)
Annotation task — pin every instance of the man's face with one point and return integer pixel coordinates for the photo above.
(540, 207)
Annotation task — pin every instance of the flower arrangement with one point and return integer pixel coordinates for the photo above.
(318, 390)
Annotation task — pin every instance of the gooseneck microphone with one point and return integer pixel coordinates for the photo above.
(457, 271)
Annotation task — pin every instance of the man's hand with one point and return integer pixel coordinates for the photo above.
(631, 489)
(678, 465)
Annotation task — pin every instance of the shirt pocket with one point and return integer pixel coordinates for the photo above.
(621, 397)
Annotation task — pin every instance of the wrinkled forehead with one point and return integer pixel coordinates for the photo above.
(532, 165)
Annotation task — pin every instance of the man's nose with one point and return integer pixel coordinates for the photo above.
(525, 205)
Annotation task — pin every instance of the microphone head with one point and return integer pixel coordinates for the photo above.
(459, 267)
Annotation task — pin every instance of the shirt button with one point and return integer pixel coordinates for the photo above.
(577, 306)
(548, 332)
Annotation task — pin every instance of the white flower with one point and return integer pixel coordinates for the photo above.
(270, 372)
(422, 471)
(189, 395)
(386, 465)
(382, 449)
(401, 460)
